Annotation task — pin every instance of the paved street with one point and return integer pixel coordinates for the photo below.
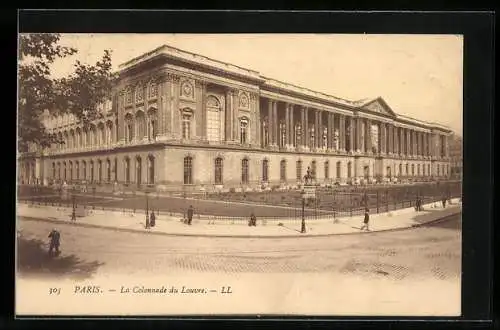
(432, 251)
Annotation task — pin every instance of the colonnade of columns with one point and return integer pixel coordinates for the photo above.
(293, 127)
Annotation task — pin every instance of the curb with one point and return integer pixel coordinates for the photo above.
(129, 230)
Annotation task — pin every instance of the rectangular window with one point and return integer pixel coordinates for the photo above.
(283, 171)
(338, 170)
(188, 170)
(327, 170)
(186, 127)
(265, 168)
(244, 171)
(299, 170)
(218, 171)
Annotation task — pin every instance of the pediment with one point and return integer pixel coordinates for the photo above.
(380, 106)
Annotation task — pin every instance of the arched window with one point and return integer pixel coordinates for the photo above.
(298, 170)
(138, 167)
(349, 169)
(102, 135)
(129, 131)
(91, 171)
(412, 169)
(151, 169)
(84, 166)
(77, 170)
(218, 170)
(64, 171)
(313, 169)
(78, 138)
(115, 169)
(283, 170)
(338, 169)
(407, 172)
(141, 125)
(418, 169)
(214, 119)
(109, 132)
(243, 130)
(72, 139)
(327, 170)
(70, 170)
(188, 170)
(53, 171)
(94, 136)
(400, 169)
(99, 171)
(152, 124)
(244, 171)
(265, 170)
(186, 127)
(59, 170)
(108, 170)
(428, 169)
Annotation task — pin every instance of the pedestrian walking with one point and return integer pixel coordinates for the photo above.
(366, 220)
(190, 214)
(55, 240)
(152, 218)
(444, 201)
(253, 220)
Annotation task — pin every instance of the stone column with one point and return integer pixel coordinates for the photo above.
(270, 122)
(407, 142)
(358, 134)
(368, 143)
(292, 127)
(446, 146)
(302, 125)
(342, 132)
(316, 129)
(320, 130)
(382, 137)
(287, 126)
(236, 120)
(305, 129)
(352, 134)
(229, 116)
(400, 141)
(275, 124)
(329, 132)
(391, 139)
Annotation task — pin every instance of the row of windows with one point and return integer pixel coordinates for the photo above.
(245, 168)
(78, 170)
(139, 93)
(94, 135)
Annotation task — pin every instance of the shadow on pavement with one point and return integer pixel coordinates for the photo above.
(33, 260)
(448, 222)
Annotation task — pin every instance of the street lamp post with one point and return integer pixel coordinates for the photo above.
(148, 225)
(303, 227)
(73, 212)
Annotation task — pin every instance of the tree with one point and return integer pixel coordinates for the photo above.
(79, 94)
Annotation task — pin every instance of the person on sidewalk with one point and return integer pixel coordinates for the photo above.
(253, 220)
(190, 214)
(444, 201)
(366, 220)
(152, 220)
(55, 240)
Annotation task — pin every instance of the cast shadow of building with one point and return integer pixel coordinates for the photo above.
(33, 260)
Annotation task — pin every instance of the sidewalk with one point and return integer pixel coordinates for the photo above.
(172, 225)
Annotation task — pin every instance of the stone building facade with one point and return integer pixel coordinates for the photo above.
(178, 119)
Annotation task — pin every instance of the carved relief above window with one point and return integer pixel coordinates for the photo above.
(187, 90)
(128, 97)
(139, 94)
(244, 100)
(153, 90)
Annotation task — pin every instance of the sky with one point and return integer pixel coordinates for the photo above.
(420, 76)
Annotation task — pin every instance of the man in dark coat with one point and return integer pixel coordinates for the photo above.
(55, 240)
(444, 201)
(366, 220)
(190, 214)
(152, 219)
(253, 220)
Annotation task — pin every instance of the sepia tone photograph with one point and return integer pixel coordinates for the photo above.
(239, 174)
